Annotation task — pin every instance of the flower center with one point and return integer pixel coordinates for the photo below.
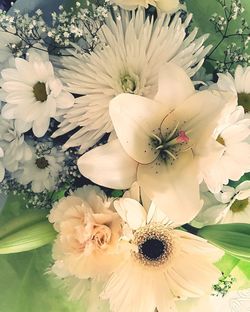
(239, 205)
(42, 163)
(244, 100)
(220, 140)
(39, 91)
(155, 244)
(171, 144)
(128, 84)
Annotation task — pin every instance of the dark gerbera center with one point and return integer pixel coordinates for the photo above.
(40, 93)
(244, 100)
(128, 84)
(155, 244)
(152, 249)
(239, 205)
(42, 163)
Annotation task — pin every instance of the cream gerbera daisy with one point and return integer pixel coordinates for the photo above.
(33, 94)
(88, 232)
(159, 143)
(162, 264)
(42, 169)
(135, 48)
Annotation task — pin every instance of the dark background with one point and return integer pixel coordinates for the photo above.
(5, 4)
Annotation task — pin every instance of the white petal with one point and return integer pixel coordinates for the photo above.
(174, 86)
(134, 119)
(65, 100)
(174, 189)
(40, 126)
(109, 165)
(168, 6)
(131, 212)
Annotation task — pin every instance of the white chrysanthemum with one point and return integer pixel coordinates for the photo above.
(168, 6)
(162, 263)
(231, 205)
(159, 143)
(239, 84)
(88, 232)
(233, 148)
(15, 148)
(33, 94)
(41, 170)
(8, 42)
(135, 50)
(2, 169)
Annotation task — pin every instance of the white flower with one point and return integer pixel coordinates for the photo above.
(41, 170)
(169, 6)
(233, 149)
(239, 84)
(16, 150)
(162, 264)
(2, 169)
(135, 48)
(88, 232)
(231, 205)
(159, 143)
(8, 43)
(33, 94)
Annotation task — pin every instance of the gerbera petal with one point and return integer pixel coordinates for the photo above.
(174, 86)
(131, 211)
(109, 165)
(173, 188)
(135, 118)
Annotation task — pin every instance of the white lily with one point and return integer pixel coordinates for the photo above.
(159, 143)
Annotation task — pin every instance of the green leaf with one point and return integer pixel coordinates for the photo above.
(227, 263)
(233, 238)
(29, 238)
(26, 288)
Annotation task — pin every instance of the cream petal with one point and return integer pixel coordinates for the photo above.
(40, 126)
(174, 86)
(168, 6)
(131, 211)
(173, 188)
(109, 165)
(135, 118)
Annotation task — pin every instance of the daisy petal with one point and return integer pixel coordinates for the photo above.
(109, 165)
(134, 119)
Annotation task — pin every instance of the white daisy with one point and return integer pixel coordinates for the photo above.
(169, 6)
(135, 48)
(239, 84)
(33, 94)
(159, 143)
(162, 264)
(41, 170)
(2, 169)
(233, 148)
(231, 205)
(15, 148)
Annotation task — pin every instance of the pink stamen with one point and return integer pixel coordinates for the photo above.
(182, 138)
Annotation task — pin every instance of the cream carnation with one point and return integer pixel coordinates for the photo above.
(88, 231)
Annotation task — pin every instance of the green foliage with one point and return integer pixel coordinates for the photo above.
(233, 238)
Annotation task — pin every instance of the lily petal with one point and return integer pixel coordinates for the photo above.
(135, 118)
(173, 188)
(174, 86)
(109, 165)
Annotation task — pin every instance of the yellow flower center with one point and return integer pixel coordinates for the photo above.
(244, 100)
(239, 205)
(128, 84)
(39, 91)
(220, 140)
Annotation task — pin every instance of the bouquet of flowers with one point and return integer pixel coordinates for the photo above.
(124, 155)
